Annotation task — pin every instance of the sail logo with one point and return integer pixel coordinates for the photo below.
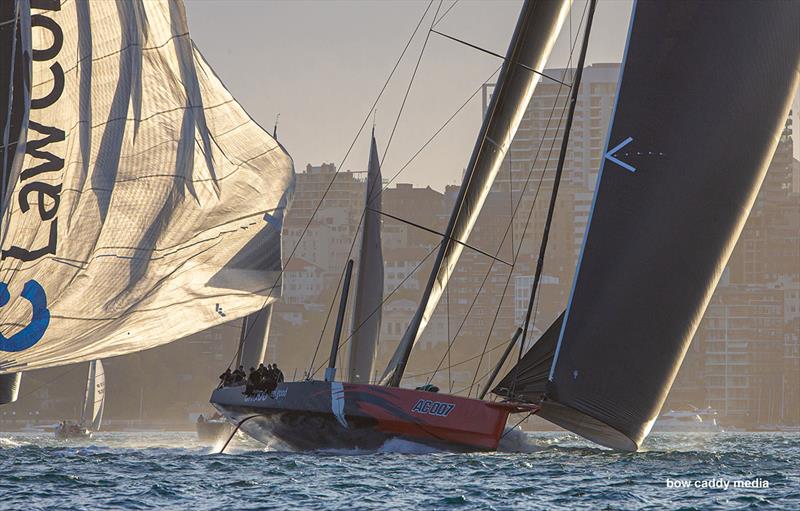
(36, 179)
(40, 318)
(436, 408)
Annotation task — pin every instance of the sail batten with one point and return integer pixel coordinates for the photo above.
(146, 204)
(699, 111)
(534, 36)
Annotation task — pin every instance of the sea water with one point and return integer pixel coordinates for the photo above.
(535, 471)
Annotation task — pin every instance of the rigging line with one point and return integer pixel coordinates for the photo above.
(559, 169)
(414, 327)
(470, 359)
(410, 84)
(366, 118)
(509, 430)
(511, 204)
(442, 235)
(449, 361)
(352, 144)
(446, 12)
(10, 103)
(375, 196)
(51, 381)
(484, 50)
(438, 131)
(475, 382)
(519, 203)
(541, 178)
(378, 308)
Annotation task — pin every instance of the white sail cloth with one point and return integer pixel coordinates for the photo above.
(94, 401)
(144, 206)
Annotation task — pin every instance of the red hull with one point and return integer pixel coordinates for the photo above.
(319, 415)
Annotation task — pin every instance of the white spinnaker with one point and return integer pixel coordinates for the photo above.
(94, 401)
(144, 208)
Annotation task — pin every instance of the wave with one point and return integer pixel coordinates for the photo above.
(9, 442)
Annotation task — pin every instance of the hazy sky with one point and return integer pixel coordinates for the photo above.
(320, 64)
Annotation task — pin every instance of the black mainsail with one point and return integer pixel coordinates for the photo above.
(534, 36)
(704, 91)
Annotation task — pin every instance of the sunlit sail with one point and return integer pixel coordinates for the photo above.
(143, 204)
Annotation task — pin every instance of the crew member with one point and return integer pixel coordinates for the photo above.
(225, 378)
(239, 376)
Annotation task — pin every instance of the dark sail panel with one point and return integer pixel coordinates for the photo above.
(527, 381)
(704, 93)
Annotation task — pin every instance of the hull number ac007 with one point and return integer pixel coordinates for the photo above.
(433, 408)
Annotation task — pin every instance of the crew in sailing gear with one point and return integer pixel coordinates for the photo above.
(253, 382)
(278, 373)
(225, 378)
(269, 383)
(262, 371)
(239, 376)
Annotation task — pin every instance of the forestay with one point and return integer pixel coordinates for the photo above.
(143, 202)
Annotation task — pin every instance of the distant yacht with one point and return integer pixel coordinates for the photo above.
(92, 409)
(688, 421)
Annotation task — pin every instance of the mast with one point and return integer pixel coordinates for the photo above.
(330, 372)
(573, 99)
(534, 36)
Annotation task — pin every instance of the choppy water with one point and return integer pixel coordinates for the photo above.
(555, 471)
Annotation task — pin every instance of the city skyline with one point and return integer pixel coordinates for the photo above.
(339, 58)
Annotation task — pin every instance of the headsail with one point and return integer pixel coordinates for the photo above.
(133, 208)
(535, 34)
(698, 116)
(366, 317)
(94, 401)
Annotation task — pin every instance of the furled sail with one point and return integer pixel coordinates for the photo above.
(366, 314)
(137, 193)
(95, 399)
(700, 107)
(534, 36)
